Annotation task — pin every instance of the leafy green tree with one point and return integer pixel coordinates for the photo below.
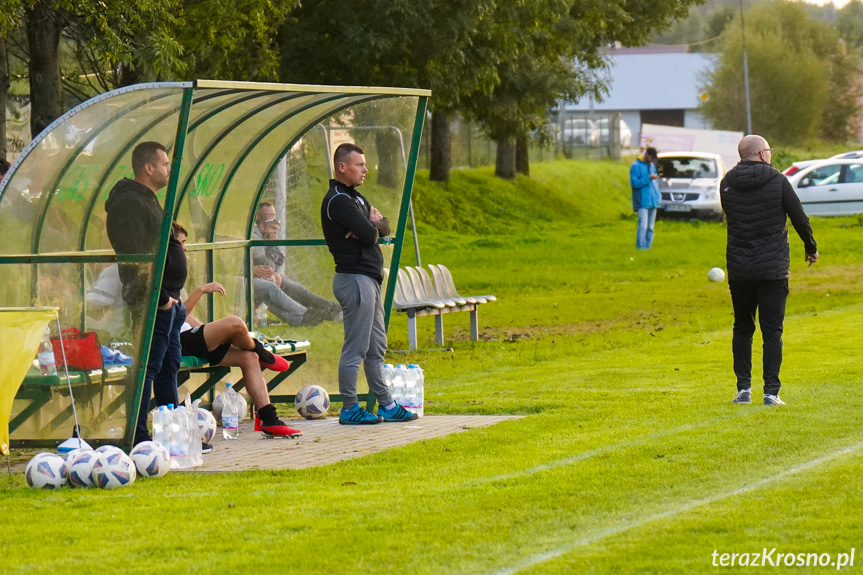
(791, 61)
(849, 21)
(549, 50)
(404, 43)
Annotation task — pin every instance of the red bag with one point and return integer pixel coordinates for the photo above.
(83, 351)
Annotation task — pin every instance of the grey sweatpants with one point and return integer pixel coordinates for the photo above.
(365, 336)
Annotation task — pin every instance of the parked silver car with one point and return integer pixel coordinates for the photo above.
(831, 187)
(689, 184)
(580, 132)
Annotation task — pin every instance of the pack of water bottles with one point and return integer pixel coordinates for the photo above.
(406, 385)
(177, 430)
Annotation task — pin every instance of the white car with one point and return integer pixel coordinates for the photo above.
(831, 187)
(625, 133)
(797, 166)
(689, 184)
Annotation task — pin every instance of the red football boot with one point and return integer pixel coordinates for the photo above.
(279, 429)
(279, 364)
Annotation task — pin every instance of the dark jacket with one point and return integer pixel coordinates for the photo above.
(134, 224)
(758, 200)
(345, 210)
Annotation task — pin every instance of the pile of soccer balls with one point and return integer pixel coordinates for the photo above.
(107, 467)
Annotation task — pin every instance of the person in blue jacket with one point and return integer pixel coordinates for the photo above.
(645, 197)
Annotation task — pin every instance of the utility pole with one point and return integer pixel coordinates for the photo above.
(745, 72)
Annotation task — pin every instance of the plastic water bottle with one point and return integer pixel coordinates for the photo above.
(410, 388)
(399, 384)
(230, 413)
(261, 316)
(389, 373)
(161, 427)
(178, 441)
(420, 399)
(47, 362)
(414, 389)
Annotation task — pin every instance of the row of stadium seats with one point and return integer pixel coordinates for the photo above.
(417, 295)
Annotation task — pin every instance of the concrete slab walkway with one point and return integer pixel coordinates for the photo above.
(324, 441)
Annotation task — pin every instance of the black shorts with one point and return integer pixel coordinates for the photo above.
(192, 343)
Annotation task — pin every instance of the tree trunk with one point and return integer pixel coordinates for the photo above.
(4, 93)
(522, 163)
(505, 163)
(391, 166)
(441, 146)
(43, 41)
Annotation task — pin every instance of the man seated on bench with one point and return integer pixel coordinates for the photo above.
(226, 342)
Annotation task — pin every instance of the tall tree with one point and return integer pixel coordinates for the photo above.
(549, 50)
(44, 25)
(401, 43)
(788, 102)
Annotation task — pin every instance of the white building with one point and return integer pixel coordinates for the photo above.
(651, 87)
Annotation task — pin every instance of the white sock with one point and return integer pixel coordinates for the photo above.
(390, 406)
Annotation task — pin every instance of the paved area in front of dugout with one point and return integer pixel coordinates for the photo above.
(324, 441)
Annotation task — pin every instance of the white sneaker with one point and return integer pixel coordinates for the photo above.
(773, 400)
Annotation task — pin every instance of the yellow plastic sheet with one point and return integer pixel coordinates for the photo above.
(21, 331)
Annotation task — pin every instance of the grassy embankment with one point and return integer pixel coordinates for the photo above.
(631, 458)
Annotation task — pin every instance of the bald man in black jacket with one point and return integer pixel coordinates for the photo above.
(758, 200)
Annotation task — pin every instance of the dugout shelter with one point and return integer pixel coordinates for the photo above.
(232, 145)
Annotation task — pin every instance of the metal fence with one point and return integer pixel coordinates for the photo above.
(570, 136)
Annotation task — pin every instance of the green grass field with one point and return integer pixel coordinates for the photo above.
(631, 457)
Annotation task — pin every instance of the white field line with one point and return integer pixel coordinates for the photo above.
(626, 526)
(604, 449)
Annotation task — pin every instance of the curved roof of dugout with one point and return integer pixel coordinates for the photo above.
(57, 185)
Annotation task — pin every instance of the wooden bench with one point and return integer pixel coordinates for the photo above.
(417, 295)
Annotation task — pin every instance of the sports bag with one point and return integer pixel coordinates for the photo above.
(82, 350)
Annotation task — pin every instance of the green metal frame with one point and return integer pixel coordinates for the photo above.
(159, 267)
(329, 99)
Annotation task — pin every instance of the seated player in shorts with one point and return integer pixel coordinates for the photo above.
(227, 342)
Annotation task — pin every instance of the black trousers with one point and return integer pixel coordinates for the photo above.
(768, 297)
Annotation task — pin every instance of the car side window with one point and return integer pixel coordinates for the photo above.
(853, 174)
(822, 176)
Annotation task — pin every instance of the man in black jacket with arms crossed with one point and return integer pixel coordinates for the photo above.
(351, 227)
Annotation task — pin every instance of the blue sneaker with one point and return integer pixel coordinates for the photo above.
(358, 416)
(398, 413)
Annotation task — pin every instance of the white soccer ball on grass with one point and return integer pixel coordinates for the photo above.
(46, 471)
(151, 459)
(113, 469)
(79, 467)
(716, 275)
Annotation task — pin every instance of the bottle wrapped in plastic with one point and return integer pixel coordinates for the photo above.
(398, 392)
(161, 427)
(389, 372)
(47, 361)
(178, 438)
(414, 389)
(231, 413)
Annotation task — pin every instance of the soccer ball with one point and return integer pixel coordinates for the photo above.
(217, 409)
(80, 468)
(151, 459)
(71, 455)
(46, 471)
(716, 275)
(107, 448)
(206, 424)
(113, 469)
(312, 402)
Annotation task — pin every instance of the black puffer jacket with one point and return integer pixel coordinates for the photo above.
(758, 200)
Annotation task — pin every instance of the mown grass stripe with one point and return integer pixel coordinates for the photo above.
(677, 510)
